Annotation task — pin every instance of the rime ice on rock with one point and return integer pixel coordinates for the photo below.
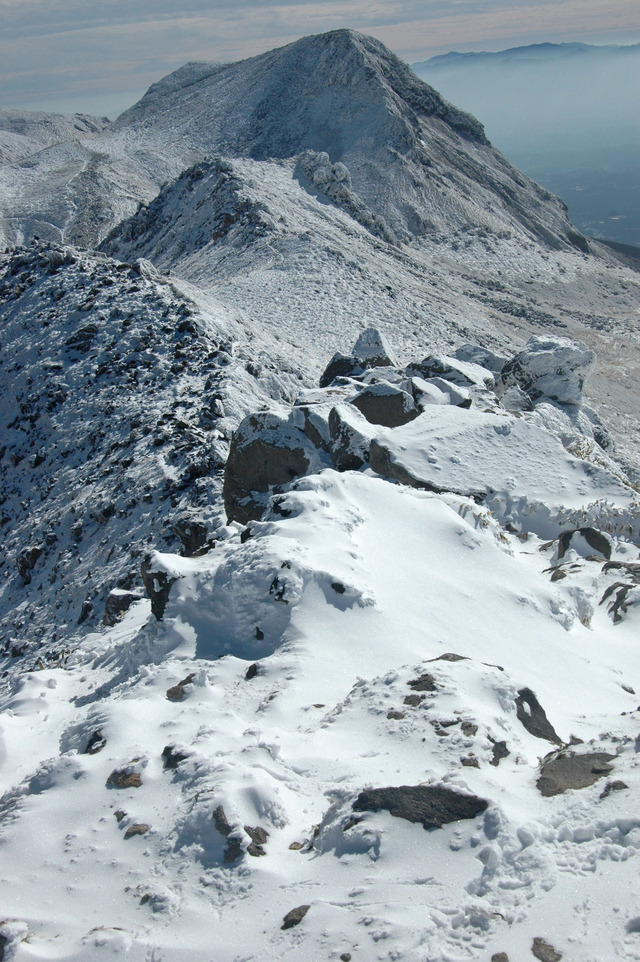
(372, 349)
(549, 368)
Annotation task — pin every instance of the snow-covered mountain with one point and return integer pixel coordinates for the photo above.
(320, 587)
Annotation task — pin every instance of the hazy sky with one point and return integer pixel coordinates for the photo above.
(99, 56)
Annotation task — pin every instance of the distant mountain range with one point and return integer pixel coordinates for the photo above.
(564, 113)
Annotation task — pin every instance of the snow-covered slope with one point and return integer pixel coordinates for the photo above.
(305, 654)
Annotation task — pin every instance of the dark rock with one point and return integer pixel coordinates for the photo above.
(499, 751)
(251, 672)
(532, 715)
(117, 604)
(413, 700)
(345, 957)
(95, 744)
(192, 535)
(617, 786)
(259, 837)
(138, 829)
(26, 561)
(123, 778)
(450, 656)
(176, 692)
(425, 682)
(470, 761)
(295, 916)
(157, 585)
(349, 446)
(545, 952)
(341, 365)
(469, 729)
(265, 451)
(395, 715)
(621, 603)
(431, 805)
(171, 757)
(233, 850)
(566, 770)
(499, 957)
(386, 404)
(338, 587)
(119, 814)
(594, 538)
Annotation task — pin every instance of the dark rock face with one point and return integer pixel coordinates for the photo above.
(192, 534)
(176, 692)
(431, 805)
(349, 447)
(95, 744)
(117, 604)
(594, 538)
(341, 365)
(140, 828)
(26, 562)
(560, 772)
(532, 715)
(295, 916)
(265, 451)
(171, 757)
(425, 682)
(542, 950)
(259, 837)
(234, 846)
(157, 585)
(386, 404)
(498, 752)
(625, 593)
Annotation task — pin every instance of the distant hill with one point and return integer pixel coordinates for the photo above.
(567, 115)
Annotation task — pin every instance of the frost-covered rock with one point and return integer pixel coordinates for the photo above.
(385, 404)
(350, 438)
(549, 368)
(372, 349)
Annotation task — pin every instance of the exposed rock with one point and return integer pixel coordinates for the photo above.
(617, 786)
(372, 349)
(482, 356)
(566, 770)
(394, 715)
(431, 805)
(295, 916)
(171, 757)
(498, 752)
(413, 700)
(192, 535)
(545, 952)
(627, 592)
(266, 450)
(386, 404)
(350, 438)
(119, 815)
(470, 761)
(117, 604)
(251, 672)
(469, 729)
(259, 837)
(450, 656)
(124, 778)
(176, 692)
(549, 368)
(462, 373)
(341, 365)
(425, 682)
(140, 828)
(499, 957)
(157, 584)
(26, 561)
(532, 715)
(233, 850)
(595, 540)
(96, 743)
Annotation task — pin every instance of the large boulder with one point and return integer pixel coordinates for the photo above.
(372, 349)
(386, 404)
(267, 450)
(549, 369)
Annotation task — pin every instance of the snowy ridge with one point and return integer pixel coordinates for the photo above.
(320, 591)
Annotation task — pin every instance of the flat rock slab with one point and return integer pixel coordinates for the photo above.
(431, 805)
(558, 773)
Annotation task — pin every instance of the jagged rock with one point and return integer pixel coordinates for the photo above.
(350, 439)
(295, 916)
(542, 950)
(192, 534)
(386, 404)
(233, 850)
(140, 828)
(627, 592)
(431, 805)
(157, 584)
(341, 365)
(176, 692)
(171, 757)
(124, 778)
(498, 752)
(96, 743)
(26, 561)
(372, 349)
(532, 715)
(266, 450)
(425, 682)
(560, 772)
(117, 604)
(259, 837)
(549, 368)
(596, 541)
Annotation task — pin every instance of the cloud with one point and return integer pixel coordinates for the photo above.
(74, 53)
